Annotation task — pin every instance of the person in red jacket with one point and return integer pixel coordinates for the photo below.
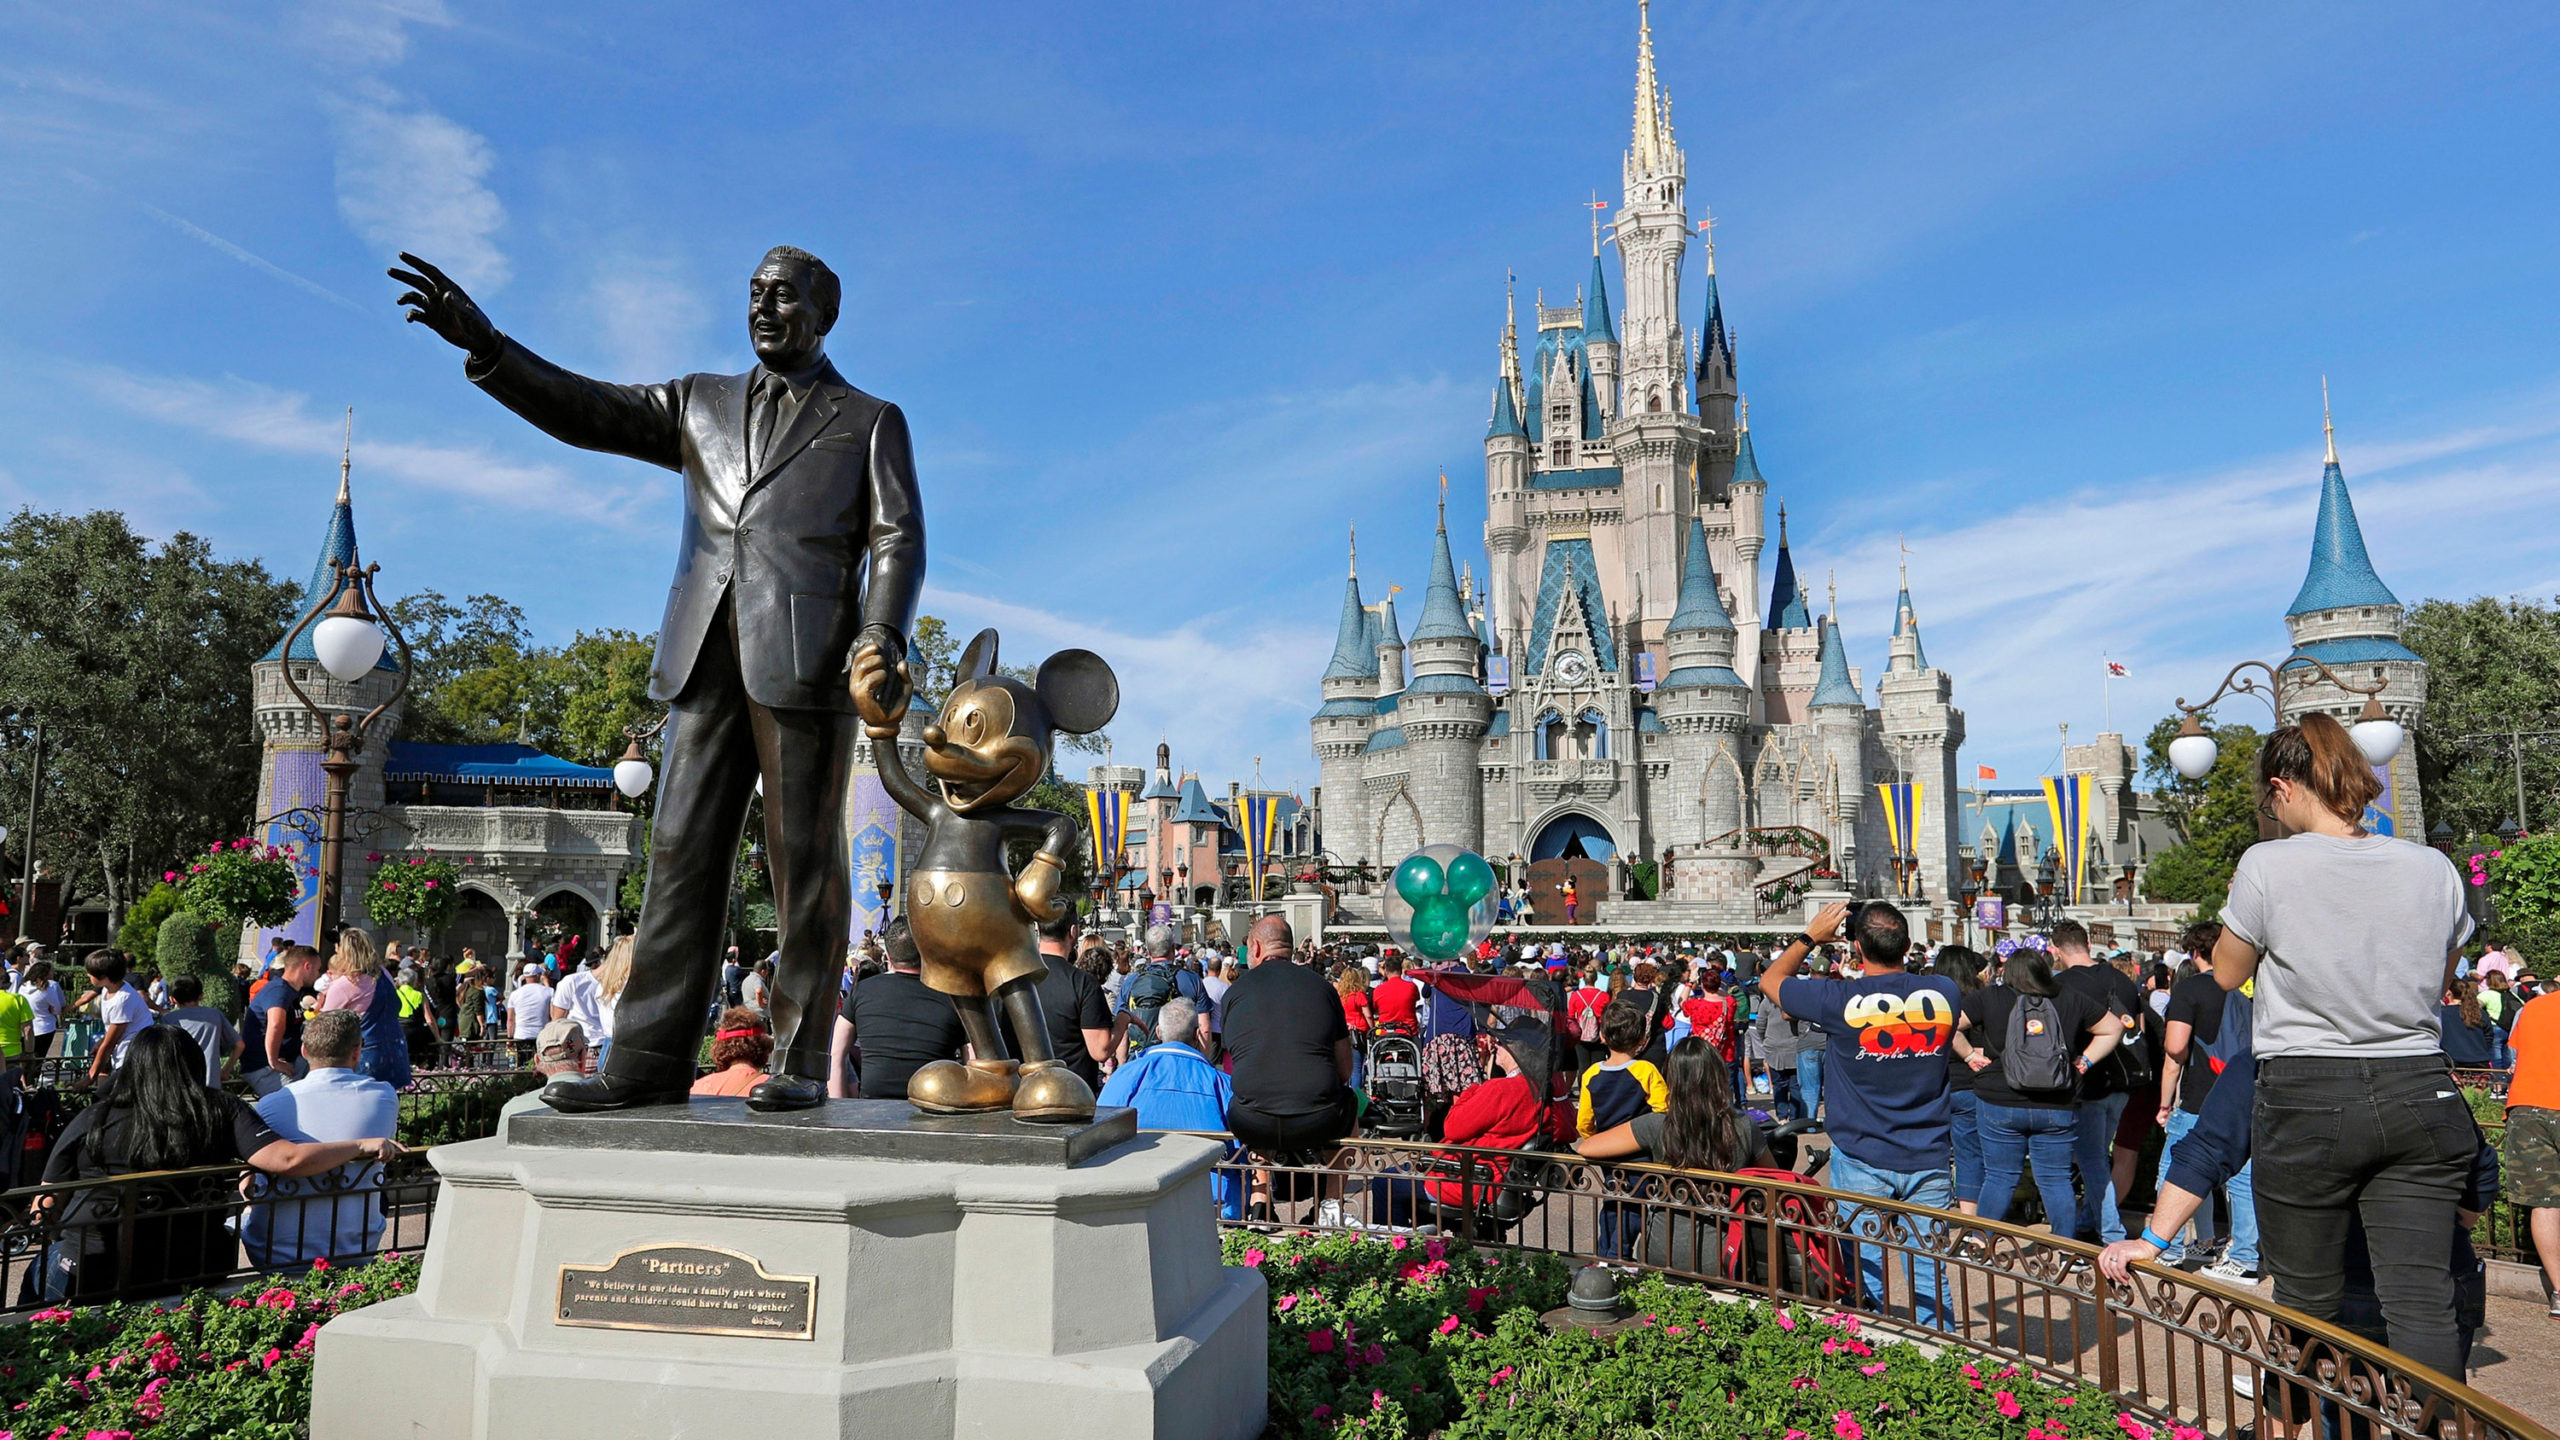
(1505, 1112)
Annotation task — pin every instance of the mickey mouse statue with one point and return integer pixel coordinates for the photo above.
(971, 918)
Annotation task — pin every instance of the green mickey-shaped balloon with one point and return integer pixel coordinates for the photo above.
(1440, 926)
(1470, 878)
(1418, 878)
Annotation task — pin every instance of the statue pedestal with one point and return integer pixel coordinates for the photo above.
(852, 1270)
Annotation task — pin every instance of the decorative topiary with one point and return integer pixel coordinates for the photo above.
(187, 948)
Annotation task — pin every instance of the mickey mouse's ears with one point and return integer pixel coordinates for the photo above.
(1077, 688)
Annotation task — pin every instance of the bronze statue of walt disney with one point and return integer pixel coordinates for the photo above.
(972, 919)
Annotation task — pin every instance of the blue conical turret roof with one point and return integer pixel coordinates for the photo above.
(1834, 687)
(1443, 618)
(1786, 599)
(1506, 416)
(2341, 573)
(1596, 324)
(1746, 464)
(1384, 627)
(1906, 618)
(1354, 656)
(337, 547)
(1195, 808)
(1700, 607)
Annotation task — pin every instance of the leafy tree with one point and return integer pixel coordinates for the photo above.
(2493, 667)
(140, 933)
(2524, 883)
(2216, 818)
(477, 678)
(135, 659)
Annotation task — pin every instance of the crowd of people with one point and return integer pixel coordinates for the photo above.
(2292, 1056)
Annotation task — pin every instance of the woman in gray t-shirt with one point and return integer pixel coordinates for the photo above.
(2350, 937)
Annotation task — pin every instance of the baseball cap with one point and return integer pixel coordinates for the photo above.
(558, 1036)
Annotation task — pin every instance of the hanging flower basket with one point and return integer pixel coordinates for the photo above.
(418, 893)
(243, 882)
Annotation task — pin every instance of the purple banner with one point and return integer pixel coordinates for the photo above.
(297, 782)
(871, 821)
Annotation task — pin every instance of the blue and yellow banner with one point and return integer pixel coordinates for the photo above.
(1261, 826)
(1109, 812)
(2066, 800)
(1901, 813)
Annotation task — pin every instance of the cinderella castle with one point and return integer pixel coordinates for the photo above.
(1615, 689)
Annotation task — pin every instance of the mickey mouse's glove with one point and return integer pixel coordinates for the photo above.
(1036, 888)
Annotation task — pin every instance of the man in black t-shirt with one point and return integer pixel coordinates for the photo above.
(2102, 1100)
(1071, 1001)
(1291, 1047)
(900, 1024)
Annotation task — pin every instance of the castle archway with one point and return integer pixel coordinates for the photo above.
(1573, 835)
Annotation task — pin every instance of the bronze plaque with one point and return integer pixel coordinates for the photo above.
(689, 1289)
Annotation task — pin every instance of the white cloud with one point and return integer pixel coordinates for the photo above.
(266, 418)
(650, 317)
(2181, 576)
(366, 33)
(1224, 687)
(410, 179)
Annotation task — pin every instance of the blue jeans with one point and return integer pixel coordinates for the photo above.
(2093, 1149)
(1809, 1083)
(1918, 1187)
(1964, 1136)
(2013, 1136)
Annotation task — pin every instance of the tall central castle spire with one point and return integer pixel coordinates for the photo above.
(1652, 236)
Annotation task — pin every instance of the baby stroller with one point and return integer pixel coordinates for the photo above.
(1396, 1107)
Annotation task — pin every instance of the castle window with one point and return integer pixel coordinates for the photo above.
(1653, 402)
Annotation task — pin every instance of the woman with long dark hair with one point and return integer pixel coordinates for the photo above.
(1963, 965)
(2021, 1120)
(156, 1113)
(2471, 1038)
(2352, 939)
(1702, 1129)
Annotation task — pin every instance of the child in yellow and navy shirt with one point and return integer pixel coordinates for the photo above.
(1621, 1087)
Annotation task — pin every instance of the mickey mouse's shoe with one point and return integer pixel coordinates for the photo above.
(947, 1087)
(1052, 1094)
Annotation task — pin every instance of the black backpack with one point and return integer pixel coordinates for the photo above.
(1149, 988)
(2036, 1054)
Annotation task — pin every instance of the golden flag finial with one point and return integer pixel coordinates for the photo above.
(1742, 413)
(2328, 427)
(1707, 232)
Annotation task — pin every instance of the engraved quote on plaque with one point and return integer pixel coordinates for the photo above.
(689, 1289)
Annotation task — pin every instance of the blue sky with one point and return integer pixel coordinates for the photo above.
(1173, 293)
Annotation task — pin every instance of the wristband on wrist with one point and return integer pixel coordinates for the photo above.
(2154, 1241)
(1805, 939)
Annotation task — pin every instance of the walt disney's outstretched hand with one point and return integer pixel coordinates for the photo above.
(880, 690)
(437, 303)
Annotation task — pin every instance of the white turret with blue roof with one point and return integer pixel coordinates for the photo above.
(2346, 618)
(1342, 725)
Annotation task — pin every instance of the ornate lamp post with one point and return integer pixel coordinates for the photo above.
(2047, 870)
(348, 640)
(2375, 733)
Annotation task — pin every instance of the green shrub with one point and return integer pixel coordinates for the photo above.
(188, 947)
(140, 932)
(202, 1367)
(466, 1111)
(244, 883)
(1413, 1337)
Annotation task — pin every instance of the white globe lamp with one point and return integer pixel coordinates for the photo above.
(2376, 734)
(348, 646)
(632, 774)
(2193, 752)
